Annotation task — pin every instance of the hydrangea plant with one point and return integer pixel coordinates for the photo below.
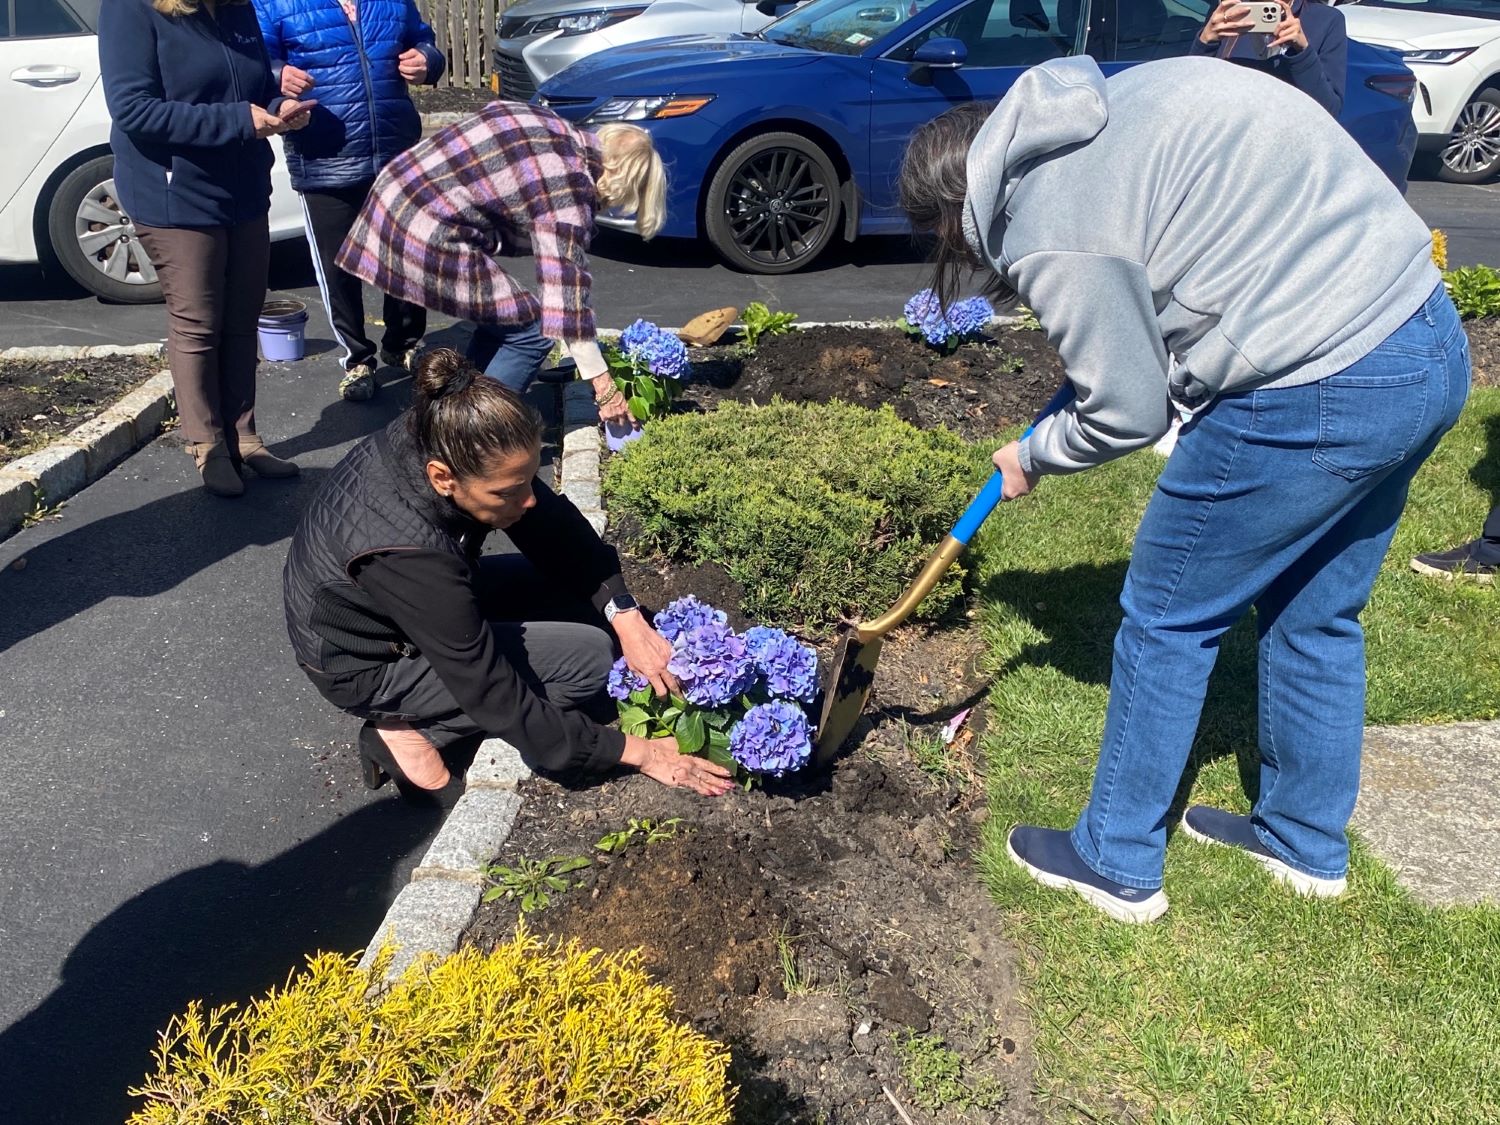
(649, 365)
(962, 322)
(743, 695)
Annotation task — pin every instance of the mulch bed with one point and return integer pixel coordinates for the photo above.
(40, 401)
(976, 392)
(1484, 350)
(451, 99)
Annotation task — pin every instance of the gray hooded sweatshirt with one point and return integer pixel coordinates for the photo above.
(1183, 230)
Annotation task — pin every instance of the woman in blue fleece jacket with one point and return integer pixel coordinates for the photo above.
(356, 57)
(190, 91)
(1310, 50)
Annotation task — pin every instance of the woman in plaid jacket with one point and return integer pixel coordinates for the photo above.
(512, 179)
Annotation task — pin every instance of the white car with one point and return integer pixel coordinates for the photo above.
(57, 192)
(1453, 47)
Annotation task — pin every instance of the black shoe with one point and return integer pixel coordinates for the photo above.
(1474, 560)
(377, 764)
(406, 358)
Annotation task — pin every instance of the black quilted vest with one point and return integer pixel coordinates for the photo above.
(377, 500)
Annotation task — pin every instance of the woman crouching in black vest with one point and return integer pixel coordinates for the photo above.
(397, 619)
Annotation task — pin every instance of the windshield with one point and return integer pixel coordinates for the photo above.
(1486, 8)
(843, 27)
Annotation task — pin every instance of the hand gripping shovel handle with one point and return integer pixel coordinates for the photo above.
(852, 671)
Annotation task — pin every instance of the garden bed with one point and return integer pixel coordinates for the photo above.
(42, 400)
(1484, 350)
(976, 392)
(451, 99)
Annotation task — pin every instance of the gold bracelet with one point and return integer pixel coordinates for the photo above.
(609, 398)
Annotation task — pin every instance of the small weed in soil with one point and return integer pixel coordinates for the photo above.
(934, 1074)
(43, 400)
(531, 883)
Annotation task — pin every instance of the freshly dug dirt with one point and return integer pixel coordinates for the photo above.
(860, 879)
(976, 392)
(1484, 350)
(40, 401)
(450, 99)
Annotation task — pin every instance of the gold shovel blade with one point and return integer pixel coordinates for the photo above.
(850, 678)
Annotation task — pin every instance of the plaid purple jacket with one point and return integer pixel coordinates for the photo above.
(512, 178)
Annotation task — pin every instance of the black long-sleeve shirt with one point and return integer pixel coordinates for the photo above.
(439, 602)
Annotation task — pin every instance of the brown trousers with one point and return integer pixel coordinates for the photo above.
(214, 283)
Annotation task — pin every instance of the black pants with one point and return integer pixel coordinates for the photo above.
(329, 213)
(1491, 534)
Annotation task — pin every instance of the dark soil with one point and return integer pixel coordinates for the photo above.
(976, 392)
(862, 877)
(40, 401)
(451, 99)
(1484, 350)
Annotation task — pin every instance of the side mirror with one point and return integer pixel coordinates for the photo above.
(940, 54)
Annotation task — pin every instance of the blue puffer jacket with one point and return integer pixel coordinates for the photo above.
(364, 116)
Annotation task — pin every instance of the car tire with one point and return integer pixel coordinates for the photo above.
(1472, 154)
(773, 205)
(94, 241)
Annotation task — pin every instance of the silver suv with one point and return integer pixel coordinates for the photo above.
(539, 38)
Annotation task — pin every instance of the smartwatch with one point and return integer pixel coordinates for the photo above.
(624, 603)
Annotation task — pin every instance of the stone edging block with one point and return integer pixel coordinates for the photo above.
(77, 459)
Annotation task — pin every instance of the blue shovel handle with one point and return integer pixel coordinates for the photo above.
(989, 496)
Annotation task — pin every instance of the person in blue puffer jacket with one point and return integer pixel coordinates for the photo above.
(359, 56)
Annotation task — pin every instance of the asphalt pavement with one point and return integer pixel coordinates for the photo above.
(181, 816)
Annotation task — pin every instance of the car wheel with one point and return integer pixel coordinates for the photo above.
(94, 240)
(1472, 154)
(773, 205)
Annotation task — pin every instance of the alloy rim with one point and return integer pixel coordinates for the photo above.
(1475, 144)
(108, 238)
(778, 206)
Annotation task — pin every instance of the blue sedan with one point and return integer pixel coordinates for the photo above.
(779, 142)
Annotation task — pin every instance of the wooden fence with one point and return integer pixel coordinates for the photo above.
(465, 31)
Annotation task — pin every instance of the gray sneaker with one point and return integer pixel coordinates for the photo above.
(358, 383)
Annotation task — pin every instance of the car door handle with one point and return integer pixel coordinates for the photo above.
(46, 76)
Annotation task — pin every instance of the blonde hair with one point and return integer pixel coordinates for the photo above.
(179, 8)
(634, 178)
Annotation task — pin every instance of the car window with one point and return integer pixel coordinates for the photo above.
(842, 27)
(1141, 30)
(39, 19)
(1001, 32)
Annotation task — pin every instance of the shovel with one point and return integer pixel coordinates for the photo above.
(850, 677)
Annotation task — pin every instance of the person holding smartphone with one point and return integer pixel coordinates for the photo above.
(190, 92)
(1307, 47)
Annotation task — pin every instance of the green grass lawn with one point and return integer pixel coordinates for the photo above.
(1245, 1004)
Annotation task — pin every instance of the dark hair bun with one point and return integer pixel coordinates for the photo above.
(442, 372)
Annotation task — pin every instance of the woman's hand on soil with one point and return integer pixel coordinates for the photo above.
(412, 64)
(646, 651)
(1231, 17)
(1018, 482)
(612, 405)
(294, 82)
(660, 760)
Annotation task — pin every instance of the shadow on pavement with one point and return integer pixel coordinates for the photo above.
(222, 932)
(683, 253)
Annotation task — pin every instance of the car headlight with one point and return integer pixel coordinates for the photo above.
(581, 23)
(1441, 56)
(649, 109)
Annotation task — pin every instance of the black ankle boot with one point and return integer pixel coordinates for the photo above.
(377, 763)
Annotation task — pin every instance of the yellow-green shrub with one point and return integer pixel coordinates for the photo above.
(532, 1033)
(1440, 249)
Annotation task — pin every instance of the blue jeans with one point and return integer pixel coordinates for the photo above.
(1285, 500)
(509, 354)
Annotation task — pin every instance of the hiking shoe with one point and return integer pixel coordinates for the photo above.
(406, 360)
(1233, 830)
(1048, 856)
(1473, 560)
(358, 383)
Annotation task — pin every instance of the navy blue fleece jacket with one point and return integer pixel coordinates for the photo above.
(179, 90)
(1319, 69)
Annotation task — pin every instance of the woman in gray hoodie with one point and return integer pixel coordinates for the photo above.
(1199, 236)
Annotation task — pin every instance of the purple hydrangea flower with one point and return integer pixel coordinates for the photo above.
(772, 738)
(970, 317)
(711, 664)
(660, 352)
(789, 666)
(687, 613)
(623, 681)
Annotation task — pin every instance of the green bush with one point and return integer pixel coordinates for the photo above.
(531, 1034)
(1475, 291)
(818, 512)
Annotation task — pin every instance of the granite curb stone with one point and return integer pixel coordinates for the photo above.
(72, 462)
